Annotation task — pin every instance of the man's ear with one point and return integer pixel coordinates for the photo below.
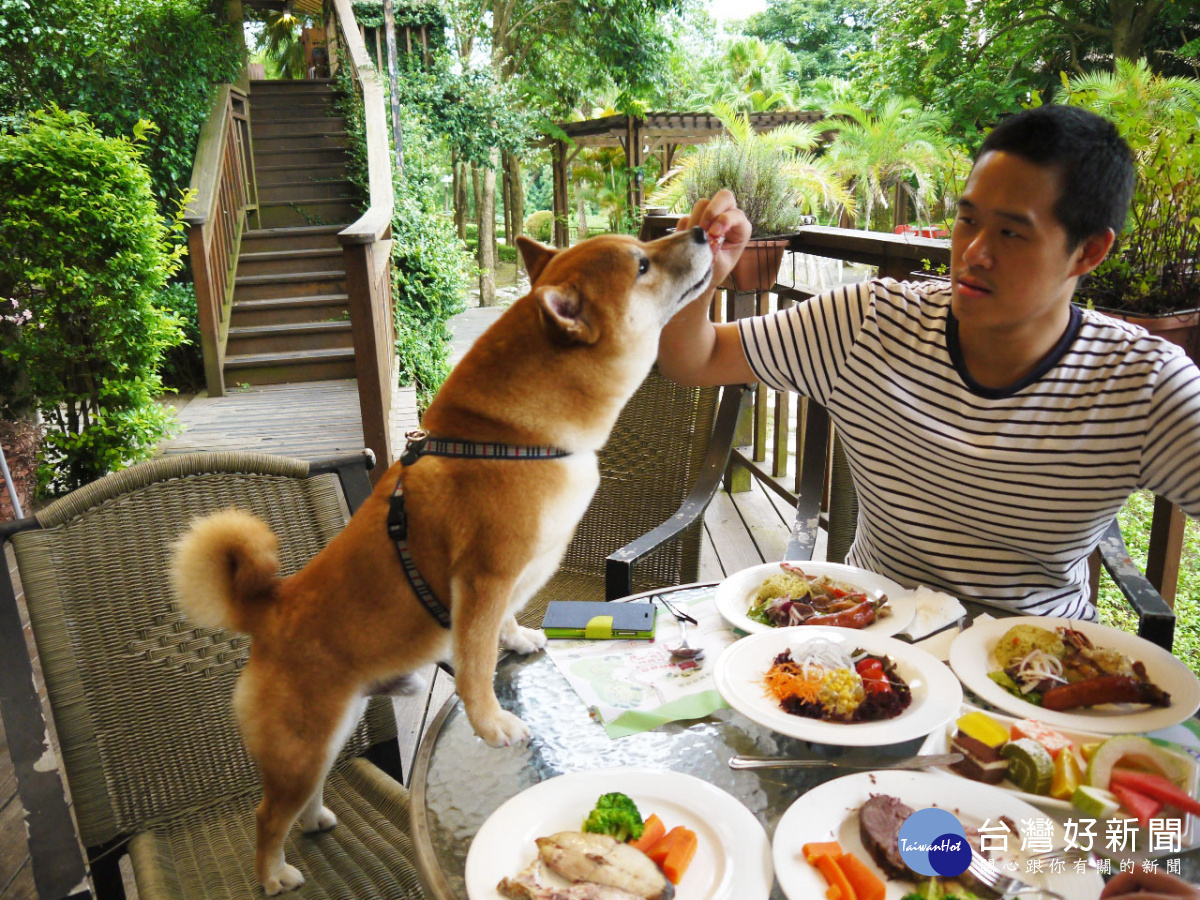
(535, 256)
(1092, 251)
(563, 314)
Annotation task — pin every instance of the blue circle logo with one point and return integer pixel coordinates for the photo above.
(933, 842)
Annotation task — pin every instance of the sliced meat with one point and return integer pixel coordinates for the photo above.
(879, 823)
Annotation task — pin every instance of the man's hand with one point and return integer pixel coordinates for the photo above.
(727, 228)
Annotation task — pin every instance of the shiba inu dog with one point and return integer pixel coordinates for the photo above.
(485, 534)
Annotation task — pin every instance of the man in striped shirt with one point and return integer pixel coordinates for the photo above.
(992, 427)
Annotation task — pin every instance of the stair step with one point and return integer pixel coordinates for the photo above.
(279, 106)
(280, 368)
(289, 310)
(290, 261)
(291, 337)
(333, 140)
(261, 130)
(301, 284)
(288, 174)
(319, 156)
(310, 211)
(308, 189)
(300, 237)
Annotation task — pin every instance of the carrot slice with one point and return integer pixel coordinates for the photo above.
(679, 857)
(839, 885)
(821, 848)
(662, 847)
(867, 885)
(654, 830)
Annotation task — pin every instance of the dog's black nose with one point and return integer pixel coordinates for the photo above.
(698, 235)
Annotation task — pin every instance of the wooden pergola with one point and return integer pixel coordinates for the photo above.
(662, 133)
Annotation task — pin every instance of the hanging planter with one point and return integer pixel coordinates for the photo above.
(758, 267)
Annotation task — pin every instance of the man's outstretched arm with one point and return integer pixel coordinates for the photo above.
(692, 350)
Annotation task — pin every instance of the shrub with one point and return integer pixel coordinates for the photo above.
(183, 364)
(539, 225)
(86, 255)
(121, 61)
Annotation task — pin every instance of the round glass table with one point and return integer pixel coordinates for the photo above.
(458, 781)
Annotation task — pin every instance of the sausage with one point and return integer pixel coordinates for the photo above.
(858, 616)
(1102, 689)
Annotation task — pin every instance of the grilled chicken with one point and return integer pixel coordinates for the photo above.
(529, 886)
(600, 859)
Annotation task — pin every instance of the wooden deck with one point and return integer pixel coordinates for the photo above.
(321, 419)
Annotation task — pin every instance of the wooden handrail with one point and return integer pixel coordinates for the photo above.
(366, 246)
(223, 182)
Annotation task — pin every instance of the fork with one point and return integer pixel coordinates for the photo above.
(985, 872)
(1069, 855)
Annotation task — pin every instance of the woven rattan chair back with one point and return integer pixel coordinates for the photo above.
(649, 464)
(140, 697)
(843, 505)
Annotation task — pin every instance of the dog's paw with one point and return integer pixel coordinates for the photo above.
(322, 821)
(523, 640)
(503, 730)
(286, 878)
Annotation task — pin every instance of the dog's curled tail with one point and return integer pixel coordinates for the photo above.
(223, 570)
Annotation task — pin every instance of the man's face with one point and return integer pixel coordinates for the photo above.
(1010, 266)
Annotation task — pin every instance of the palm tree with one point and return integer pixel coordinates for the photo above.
(775, 175)
(895, 145)
(280, 42)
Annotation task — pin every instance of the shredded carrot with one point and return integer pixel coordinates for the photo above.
(789, 679)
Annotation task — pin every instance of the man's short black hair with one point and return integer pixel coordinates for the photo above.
(1094, 164)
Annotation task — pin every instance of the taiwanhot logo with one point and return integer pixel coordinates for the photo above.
(933, 842)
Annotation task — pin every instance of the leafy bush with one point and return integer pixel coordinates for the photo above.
(507, 252)
(539, 226)
(183, 364)
(120, 61)
(86, 255)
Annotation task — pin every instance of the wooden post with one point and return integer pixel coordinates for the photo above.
(389, 20)
(562, 201)
(1166, 547)
(634, 191)
(740, 305)
(210, 345)
(371, 362)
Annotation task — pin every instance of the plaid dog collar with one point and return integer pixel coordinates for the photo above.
(421, 444)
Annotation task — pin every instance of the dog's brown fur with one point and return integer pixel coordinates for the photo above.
(555, 370)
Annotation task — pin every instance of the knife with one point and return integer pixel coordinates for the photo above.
(860, 762)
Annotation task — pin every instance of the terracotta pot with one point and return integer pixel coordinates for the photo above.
(758, 267)
(1182, 328)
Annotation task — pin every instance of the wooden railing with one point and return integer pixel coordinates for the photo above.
(367, 248)
(225, 197)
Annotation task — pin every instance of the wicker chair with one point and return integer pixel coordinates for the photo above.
(659, 470)
(1156, 619)
(141, 698)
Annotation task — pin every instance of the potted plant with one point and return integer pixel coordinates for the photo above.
(777, 180)
(1153, 278)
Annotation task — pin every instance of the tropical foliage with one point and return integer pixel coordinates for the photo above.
(774, 175)
(86, 255)
(1154, 269)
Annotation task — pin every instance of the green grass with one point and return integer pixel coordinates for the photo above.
(1115, 611)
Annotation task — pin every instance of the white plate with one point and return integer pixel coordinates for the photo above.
(735, 593)
(936, 694)
(971, 658)
(829, 811)
(939, 742)
(733, 855)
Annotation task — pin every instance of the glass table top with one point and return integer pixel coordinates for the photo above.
(458, 781)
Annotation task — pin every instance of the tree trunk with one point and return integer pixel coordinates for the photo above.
(459, 190)
(506, 196)
(485, 206)
(517, 191)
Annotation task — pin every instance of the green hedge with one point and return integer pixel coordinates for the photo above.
(86, 255)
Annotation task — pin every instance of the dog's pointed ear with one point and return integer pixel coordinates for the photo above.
(535, 256)
(563, 315)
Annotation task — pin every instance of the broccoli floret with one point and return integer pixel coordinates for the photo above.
(616, 815)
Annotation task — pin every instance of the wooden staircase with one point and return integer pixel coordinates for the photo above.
(290, 320)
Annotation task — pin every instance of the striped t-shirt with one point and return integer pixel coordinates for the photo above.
(993, 495)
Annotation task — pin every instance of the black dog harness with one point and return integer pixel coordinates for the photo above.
(421, 444)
